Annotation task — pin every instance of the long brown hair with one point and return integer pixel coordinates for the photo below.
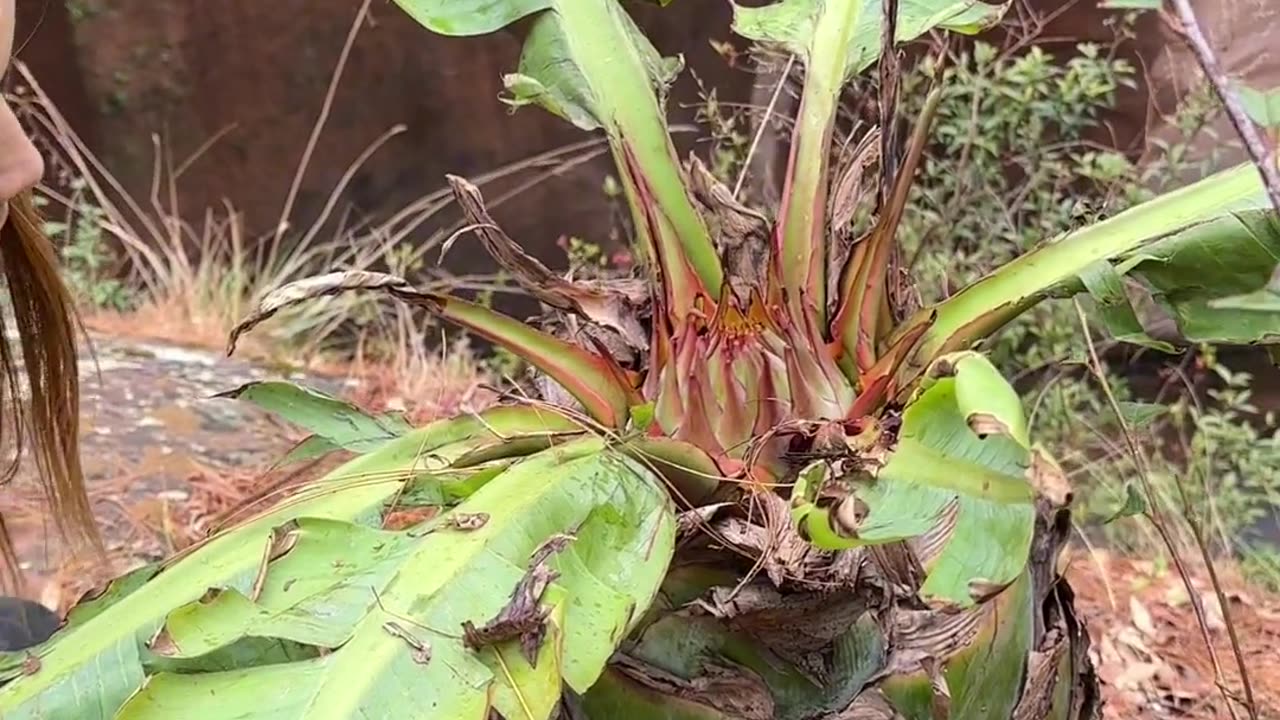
(44, 314)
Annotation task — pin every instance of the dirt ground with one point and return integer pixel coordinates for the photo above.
(1149, 650)
(164, 459)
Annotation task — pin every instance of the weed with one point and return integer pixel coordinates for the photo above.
(88, 261)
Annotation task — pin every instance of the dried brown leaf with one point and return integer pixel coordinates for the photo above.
(1049, 480)
(869, 705)
(732, 690)
(1141, 617)
(846, 196)
(523, 617)
(916, 636)
(334, 283)
(690, 522)
(941, 705)
(614, 304)
(1042, 677)
(899, 566)
(741, 234)
(786, 555)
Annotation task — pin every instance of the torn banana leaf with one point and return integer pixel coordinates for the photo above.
(1107, 288)
(967, 665)
(1198, 249)
(104, 654)
(1216, 279)
(957, 484)
(339, 424)
(561, 549)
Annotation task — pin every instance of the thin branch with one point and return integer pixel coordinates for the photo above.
(764, 124)
(318, 128)
(1213, 70)
(1161, 524)
(1267, 166)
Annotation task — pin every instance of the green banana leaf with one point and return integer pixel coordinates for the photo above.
(1203, 251)
(1216, 279)
(334, 423)
(587, 62)
(314, 592)
(961, 470)
(983, 677)
(836, 40)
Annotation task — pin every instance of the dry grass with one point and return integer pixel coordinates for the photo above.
(195, 279)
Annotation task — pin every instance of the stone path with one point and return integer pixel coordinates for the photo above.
(149, 424)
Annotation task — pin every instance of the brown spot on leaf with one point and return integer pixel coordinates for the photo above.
(942, 369)
(408, 517)
(30, 665)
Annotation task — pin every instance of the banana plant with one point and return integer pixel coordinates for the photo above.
(756, 486)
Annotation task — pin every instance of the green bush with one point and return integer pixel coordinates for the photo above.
(88, 260)
(1016, 160)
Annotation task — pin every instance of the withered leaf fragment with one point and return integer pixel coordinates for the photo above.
(522, 617)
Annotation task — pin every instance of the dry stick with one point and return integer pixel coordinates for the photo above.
(764, 124)
(1267, 166)
(1213, 70)
(318, 128)
(1157, 520)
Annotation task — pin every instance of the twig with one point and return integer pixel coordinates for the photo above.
(1157, 520)
(1253, 143)
(764, 124)
(1267, 166)
(318, 127)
